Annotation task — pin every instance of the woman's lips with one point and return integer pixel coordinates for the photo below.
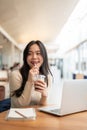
(34, 63)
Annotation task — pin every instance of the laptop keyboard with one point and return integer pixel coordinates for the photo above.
(55, 110)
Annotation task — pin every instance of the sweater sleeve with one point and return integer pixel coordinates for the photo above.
(15, 81)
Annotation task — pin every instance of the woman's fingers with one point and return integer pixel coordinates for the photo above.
(40, 84)
(35, 70)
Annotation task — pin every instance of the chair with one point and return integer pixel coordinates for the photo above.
(3, 75)
(78, 76)
(5, 102)
(2, 92)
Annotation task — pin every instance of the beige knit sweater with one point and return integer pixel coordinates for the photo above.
(29, 95)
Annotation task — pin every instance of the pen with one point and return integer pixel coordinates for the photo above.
(21, 114)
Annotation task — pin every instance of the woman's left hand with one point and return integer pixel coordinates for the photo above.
(41, 87)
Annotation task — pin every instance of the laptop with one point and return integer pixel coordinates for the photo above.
(73, 98)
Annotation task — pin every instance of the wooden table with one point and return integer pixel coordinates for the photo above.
(45, 121)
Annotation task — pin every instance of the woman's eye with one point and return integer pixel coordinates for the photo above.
(38, 53)
(29, 53)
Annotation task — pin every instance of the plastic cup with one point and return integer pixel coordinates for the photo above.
(39, 77)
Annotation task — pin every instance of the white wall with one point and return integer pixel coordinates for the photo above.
(10, 54)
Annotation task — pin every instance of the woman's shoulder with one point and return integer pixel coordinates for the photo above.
(15, 80)
(15, 73)
(50, 78)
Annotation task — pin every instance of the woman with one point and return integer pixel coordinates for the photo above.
(22, 84)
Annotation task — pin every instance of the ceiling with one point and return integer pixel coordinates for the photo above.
(26, 20)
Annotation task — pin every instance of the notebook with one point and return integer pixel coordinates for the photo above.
(73, 99)
(21, 113)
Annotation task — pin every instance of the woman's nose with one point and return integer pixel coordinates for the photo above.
(34, 55)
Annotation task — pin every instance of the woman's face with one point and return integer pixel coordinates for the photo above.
(34, 56)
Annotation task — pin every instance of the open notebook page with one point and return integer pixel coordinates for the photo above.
(21, 113)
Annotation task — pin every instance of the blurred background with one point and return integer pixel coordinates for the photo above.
(60, 24)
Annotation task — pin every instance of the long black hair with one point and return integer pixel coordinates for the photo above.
(24, 70)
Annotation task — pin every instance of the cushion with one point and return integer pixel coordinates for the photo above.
(5, 104)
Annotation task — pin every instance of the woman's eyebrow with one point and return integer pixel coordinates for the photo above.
(34, 51)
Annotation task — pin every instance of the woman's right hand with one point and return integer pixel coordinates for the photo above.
(33, 71)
